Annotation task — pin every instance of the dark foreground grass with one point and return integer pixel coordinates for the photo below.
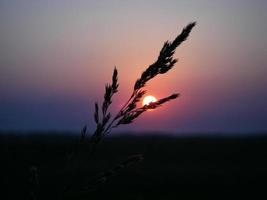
(173, 168)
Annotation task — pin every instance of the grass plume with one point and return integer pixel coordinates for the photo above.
(129, 112)
(110, 90)
(165, 59)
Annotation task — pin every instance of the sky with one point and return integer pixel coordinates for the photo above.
(57, 55)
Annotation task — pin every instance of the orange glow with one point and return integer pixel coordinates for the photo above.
(148, 99)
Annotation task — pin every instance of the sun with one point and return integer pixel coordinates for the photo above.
(148, 99)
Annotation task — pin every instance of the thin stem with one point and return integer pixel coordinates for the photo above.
(123, 107)
(106, 131)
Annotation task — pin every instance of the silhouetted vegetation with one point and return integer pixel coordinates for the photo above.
(129, 112)
(65, 171)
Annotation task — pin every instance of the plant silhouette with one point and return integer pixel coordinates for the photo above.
(129, 112)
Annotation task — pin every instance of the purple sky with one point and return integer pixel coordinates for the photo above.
(56, 56)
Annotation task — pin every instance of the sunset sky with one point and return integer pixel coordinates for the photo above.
(57, 55)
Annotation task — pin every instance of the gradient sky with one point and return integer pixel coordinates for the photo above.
(56, 56)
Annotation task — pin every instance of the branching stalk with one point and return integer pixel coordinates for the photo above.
(129, 111)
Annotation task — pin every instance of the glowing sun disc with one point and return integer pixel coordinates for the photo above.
(148, 99)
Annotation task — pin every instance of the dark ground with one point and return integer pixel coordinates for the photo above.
(173, 168)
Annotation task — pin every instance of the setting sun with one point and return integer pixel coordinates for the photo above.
(148, 99)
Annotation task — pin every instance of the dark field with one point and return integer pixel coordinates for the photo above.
(173, 168)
